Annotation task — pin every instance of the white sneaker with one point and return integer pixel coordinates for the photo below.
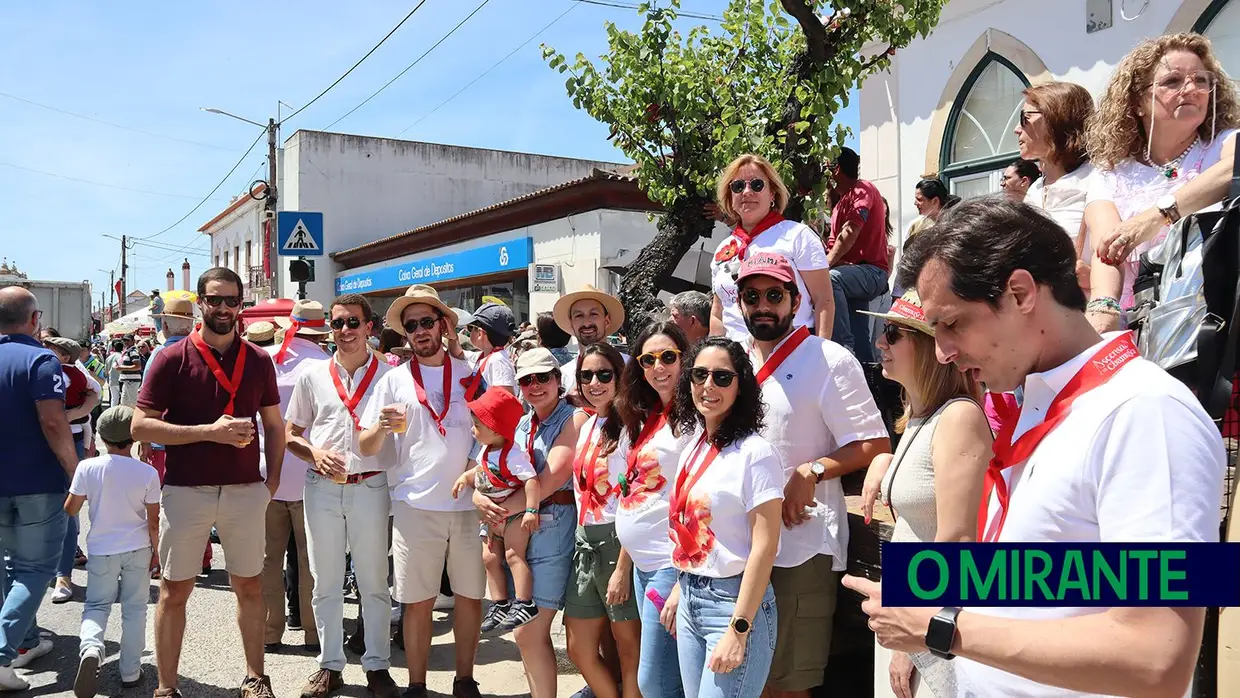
(25, 657)
(445, 603)
(62, 595)
(86, 685)
(10, 681)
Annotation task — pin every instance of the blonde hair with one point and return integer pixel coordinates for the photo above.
(778, 189)
(936, 382)
(1115, 132)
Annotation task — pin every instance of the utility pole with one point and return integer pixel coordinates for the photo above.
(124, 273)
(272, 198)
(111, 289)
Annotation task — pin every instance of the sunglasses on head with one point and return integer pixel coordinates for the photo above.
(214, 301)
(756, 185)
(667, 357)
(542, 378)
(587, 376)
(721, 378)
(893, 333)
(774, 296)
(425, 323)
(352, 322)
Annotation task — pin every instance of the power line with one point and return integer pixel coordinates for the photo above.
(109, 123)
(94, 183)
(488, 70)
(410, 66)
(359, 62)
(632, 6)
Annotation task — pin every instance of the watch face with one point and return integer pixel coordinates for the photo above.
(1166, 201)
(940, 635)
(740, 625)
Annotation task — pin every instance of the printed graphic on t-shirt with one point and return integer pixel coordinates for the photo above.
(593, 507)
(697, 523)
(648, 482)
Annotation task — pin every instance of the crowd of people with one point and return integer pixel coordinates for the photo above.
(676, 496)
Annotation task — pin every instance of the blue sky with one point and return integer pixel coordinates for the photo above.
(149, 68)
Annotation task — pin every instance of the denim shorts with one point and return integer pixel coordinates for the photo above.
(550, 556)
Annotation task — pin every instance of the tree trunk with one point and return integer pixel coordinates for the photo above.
(680, 228)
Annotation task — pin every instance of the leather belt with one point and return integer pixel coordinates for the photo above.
(358, 477)
(559, 497)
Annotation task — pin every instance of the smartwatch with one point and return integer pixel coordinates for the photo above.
(740, 625)
(1168, 207)
(818, 469)
(942, 633)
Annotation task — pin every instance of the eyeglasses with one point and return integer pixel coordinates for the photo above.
(1175, 82)
(1024, 117)
(214, 301)
(721, 378)
(756, 185)
(774, 296)
(893, 333)
(425, 323)
(352, 322)
(604, 376)
(667, 357)
(542, 378)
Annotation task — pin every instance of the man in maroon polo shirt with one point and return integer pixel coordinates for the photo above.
(199, 399)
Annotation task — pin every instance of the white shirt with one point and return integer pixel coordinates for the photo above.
(796, 241)
(117, 490)
(425, 464)
(303, 355)
(568, 372)
(641, 517)
(744, 476)
(817, 402)
(606, 469)
(1064, 202)
(518, 463)
(316, 407)
(498, 371)
(1137, 460)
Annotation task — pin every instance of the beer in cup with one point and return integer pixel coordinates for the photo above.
(399, 420)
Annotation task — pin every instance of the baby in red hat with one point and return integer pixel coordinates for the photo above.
(500, 471)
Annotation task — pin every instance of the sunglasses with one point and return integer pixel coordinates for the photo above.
(542, 378)
(667, 357)
(214, 301)
(1024, 117)
(893, 333)
(774, 296)
(720, 377)
(604, 376)
(756, 185)
(425, 323)
(340, 323)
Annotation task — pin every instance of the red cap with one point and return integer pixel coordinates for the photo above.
(499, 410)
(772, 264)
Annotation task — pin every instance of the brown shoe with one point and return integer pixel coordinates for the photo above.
(381, 684)
(257, 687)
(167, 693)
(321, 684)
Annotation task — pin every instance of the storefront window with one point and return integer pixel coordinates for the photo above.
(514, 293)
(980, 140)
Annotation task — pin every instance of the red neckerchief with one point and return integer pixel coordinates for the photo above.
(738, 244)
(654, 422)
(790, 345)
(529, 441)
(208, 356)
(475, 381)
(294, 328)
(416, 370)
(351, 401)
(505, 480)
(585, 473)
(1099, 369)
(682, 537)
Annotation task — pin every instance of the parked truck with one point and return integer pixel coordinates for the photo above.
(66, 305)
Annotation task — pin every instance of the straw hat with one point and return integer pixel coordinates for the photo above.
(260, 332)
(611, 304)
(308, 316)
(906, 312)
(418, 293)
(180, 306)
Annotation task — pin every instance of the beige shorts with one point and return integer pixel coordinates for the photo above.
(238, 513)
(422, 541)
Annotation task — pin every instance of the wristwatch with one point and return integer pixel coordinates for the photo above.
(740, 625)
(818, 469)
(1168, 207)
(942, 633)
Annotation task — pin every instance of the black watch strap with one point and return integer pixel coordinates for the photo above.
(941, 634)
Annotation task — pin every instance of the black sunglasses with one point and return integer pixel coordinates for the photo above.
(542, 378)
(892, 333)
(1024, 117)
(774, 296)
(720, 377)
(214, 301)
(604, 376)
(425, 323)
(755, 185)
(667, 357)
(352, 322)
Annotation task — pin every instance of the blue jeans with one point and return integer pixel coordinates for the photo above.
(706, 608)
(133, 570)
(32, 534)
(855, 284)
(550, 556)
(68, 548)
(658, 673)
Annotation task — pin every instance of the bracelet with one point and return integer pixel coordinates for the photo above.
(531, 510)
(1104, 302)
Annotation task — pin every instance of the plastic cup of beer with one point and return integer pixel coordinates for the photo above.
(400, 423)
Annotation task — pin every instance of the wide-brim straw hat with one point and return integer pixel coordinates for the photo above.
(615, 310)
(906, 311)
(181, 306)
(260, 331)
(418, 293)
(303, 312)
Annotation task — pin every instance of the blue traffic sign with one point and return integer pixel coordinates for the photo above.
(299, 234)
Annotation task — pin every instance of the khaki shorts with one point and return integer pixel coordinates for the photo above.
(594, 561)
(422, 541)
(186, 515)
(805, 596)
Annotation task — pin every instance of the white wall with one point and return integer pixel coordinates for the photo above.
(234, 231)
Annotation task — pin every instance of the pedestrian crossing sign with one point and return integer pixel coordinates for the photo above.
(300, 234)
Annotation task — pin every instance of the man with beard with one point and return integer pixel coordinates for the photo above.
(591, 316)
(823, 421)
(200, 402)
(418, 412)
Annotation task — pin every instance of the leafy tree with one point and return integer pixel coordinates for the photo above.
(770, 82)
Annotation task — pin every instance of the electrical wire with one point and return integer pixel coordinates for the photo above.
(410, 66)
(488, 70)
(359, 62)
(632, 6)
(109, 123)
(94, 183)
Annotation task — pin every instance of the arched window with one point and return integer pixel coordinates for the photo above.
(1221, 23)
(979, 142)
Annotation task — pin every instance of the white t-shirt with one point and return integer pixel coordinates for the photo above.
(303, 356)
(316, 407)
(744, 476)
(568, 372)
(601, 509)
(817, 402)
(425, 464)
(796, 241)
(498, 371)
(1135, 187)
(1137, 460)
(518, 463)
(1064, 202)
(117, 490)
(641, 517)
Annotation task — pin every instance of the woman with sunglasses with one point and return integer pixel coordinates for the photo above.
(751, 192)
(725, 523)
(651, 444)
(549, 436)
(600, 588)
(933, 482)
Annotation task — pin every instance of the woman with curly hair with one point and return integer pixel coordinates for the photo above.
(1163, 141)
(727, 498)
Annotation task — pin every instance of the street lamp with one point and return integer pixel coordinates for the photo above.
(213, 110)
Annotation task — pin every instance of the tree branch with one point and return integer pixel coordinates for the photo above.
(865, 67)
(815, 33)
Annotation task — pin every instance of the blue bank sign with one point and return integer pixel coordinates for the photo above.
(509, 255)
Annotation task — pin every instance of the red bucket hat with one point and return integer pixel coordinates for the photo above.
(499, 410)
